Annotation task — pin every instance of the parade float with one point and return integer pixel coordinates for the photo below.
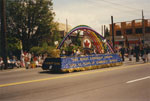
(94, 52)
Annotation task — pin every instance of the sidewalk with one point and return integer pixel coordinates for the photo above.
(133, 62)
(18, 69)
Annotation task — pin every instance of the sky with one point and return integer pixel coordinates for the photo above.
(96, 13)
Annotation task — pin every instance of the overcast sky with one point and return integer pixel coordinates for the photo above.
(96, 13)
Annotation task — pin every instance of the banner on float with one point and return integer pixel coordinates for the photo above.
(81, 61)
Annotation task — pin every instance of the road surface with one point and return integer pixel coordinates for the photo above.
(122, 83)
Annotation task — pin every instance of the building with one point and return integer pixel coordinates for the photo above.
(63, 29)
(133, 32)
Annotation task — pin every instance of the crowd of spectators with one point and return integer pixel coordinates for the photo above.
(138, 51)
(26, 60)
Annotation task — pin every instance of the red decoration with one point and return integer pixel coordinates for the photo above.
(86, 43)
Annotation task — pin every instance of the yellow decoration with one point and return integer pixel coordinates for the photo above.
(91, 67)
(55, 53)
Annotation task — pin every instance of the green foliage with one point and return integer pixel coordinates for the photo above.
(69, 48)
(78, 40)
(42, 50)
(13, 44)
(31, 21)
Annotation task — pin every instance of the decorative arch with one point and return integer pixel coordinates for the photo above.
(95, 37)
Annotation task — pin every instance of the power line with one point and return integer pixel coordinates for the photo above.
(127, 8)
(119, 4)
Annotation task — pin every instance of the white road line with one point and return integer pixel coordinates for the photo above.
(148, 77)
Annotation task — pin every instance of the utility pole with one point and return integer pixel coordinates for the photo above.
(113, 40)
(3, 32)
(102, 30)
(66, 26)
(143, 27)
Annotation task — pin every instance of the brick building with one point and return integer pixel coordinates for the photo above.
(134, 32)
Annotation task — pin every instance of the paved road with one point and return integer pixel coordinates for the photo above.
(130, 82)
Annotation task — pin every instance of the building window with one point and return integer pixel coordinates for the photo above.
(118, 33)
(138, 31)
(129, 31)
(147, 30)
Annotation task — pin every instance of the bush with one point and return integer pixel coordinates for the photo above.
(42, 50)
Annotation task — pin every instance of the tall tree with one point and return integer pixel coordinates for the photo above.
(31, 21)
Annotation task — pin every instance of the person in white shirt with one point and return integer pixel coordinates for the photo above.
(1, 63)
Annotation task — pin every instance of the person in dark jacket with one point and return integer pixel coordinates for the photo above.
(137, 52)
(122, 51)
(142, 53)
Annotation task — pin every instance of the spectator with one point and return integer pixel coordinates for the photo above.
(146, 52)
(137, 52)
(130, 53)
(142, 53)
(22, 59)
(13, 61)
(122, 51)
(40, 61)
(1, 63)
(16, 62)
(35, 59)
(27, 62)
(10, 63)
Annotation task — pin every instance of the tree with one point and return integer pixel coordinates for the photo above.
(106, 33)
(30, 21)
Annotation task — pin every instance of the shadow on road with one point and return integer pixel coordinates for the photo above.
(50, 72)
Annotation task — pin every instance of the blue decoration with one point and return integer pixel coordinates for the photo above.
(59, 64)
